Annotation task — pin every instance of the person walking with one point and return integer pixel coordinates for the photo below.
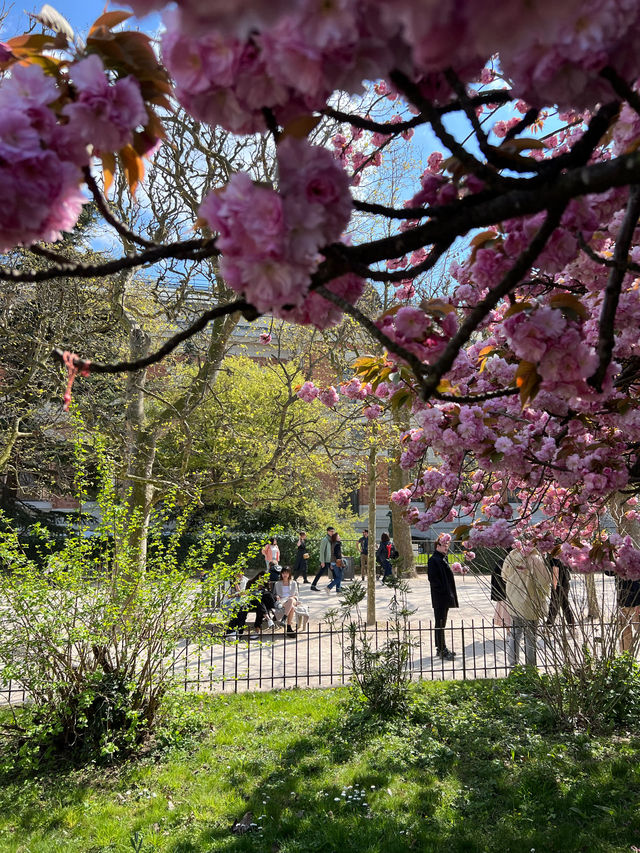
(325, 558)
(443, 592)
(337, 563)
(271, 552)
(383, 554)
(300, 566)
(527, 584)
(363, 548)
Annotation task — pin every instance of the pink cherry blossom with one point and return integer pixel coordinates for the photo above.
(329, 397)
(372, 412)
(308, 392)
(104, 114)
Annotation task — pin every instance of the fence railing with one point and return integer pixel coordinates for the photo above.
(319, 656)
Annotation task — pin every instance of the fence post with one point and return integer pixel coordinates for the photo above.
(464, 656)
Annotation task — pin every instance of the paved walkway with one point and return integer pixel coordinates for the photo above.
(473, 596)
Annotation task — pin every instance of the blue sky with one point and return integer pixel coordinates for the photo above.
(80, 14)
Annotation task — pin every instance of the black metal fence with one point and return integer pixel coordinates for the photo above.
(319, 656)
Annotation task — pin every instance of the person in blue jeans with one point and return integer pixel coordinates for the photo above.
(336, 563)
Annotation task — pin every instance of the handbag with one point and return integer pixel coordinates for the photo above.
(340, 563)
(305, 556)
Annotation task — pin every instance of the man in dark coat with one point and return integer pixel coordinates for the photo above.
(443, 592)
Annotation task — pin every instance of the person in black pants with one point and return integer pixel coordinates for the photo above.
(560, 593)
(363, 547)
(443, 592)
(382, 556)
(300, 566)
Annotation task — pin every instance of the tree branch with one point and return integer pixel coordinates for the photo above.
(168, 347)
(621, 87)
(614, 285)
(186, 250)
(475, 317)
(485, 173)
(525, 200)
(412, 360)
(497, 96)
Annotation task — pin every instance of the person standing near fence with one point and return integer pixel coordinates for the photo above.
(561, 583)
(302, 557)
(527, 583)
(443, 592)
(325, 558)
(628, 596)
(363, 547)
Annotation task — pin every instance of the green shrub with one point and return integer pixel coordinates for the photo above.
(602, 694)
(93, 636)
(380, 675)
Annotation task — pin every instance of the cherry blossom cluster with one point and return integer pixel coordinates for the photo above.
(43, 146)
(231, 60)
(270, 240)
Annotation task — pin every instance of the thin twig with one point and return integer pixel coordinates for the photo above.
(165, 349)
(103, 206)
(628, 265)
(494, 156)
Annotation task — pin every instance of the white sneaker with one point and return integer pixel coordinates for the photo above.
(269, 623)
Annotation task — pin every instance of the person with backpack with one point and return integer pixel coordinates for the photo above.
(383, 556)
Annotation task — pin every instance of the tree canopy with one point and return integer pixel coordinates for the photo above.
(522, 375)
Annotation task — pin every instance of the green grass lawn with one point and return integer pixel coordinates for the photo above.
(475, 767)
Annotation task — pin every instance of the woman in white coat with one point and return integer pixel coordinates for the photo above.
(285, 593)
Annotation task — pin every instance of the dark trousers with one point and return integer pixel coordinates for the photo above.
(324, 567)
(387, 569)
(560, 598)
(440, 619)
(264, 607)
(239, 621)
(300, 569)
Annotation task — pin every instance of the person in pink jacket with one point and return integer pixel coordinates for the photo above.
(271, 552)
